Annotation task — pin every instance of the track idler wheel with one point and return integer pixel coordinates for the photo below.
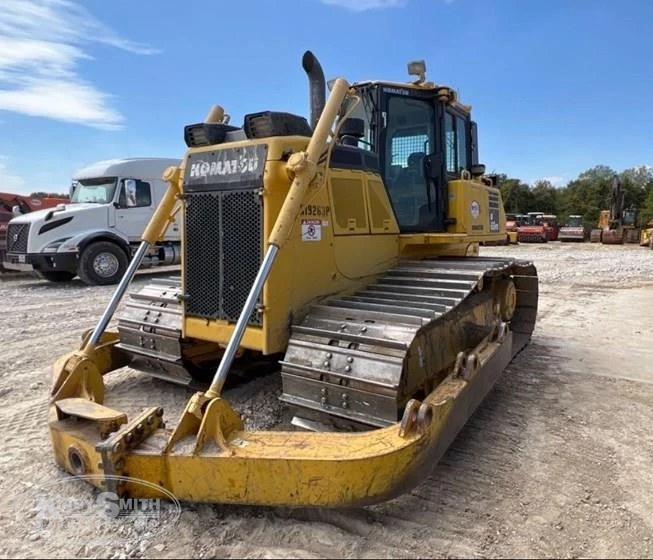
(505, 295)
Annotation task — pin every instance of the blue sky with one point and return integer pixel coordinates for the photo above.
(556, 86)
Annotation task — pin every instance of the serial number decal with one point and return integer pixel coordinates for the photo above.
(316, 210)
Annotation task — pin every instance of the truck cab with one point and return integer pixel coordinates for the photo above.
(94, 236)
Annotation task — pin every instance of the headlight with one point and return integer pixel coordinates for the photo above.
(59, 244)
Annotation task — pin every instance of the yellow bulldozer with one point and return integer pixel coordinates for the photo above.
(345, 250)
(646, 235)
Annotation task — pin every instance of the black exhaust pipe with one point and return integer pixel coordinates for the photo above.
(317, 85)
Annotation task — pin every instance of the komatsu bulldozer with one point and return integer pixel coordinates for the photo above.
(344, 248)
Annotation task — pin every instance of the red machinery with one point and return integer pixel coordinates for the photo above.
(12, 204)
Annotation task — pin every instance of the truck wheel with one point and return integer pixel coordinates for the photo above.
(102, 263)
(56, 275)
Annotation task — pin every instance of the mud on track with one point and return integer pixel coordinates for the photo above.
(556, 462)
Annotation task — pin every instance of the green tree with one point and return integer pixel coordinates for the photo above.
(516, 195)
(545, 197)
(588, 194)
(646, 213)
(636, 182)
(44, 194)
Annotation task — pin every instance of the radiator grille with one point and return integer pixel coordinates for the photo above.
(223, 252)
(17, 235)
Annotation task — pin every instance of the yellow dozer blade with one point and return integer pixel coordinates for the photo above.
(208, 457)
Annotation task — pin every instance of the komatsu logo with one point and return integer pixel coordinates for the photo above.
(234, 166)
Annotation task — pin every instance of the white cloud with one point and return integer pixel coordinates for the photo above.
(8, 181)
(363, 5)
(556, 180)
(41, 43)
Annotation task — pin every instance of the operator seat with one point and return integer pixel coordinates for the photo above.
(416, 164)
(411, 188)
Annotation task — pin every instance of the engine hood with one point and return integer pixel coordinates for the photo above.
(97, 211)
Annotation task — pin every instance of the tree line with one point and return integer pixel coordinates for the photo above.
(44, 194)
(587, 195)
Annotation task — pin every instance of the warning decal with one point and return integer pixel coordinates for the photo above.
(475, 209)
(311, 230)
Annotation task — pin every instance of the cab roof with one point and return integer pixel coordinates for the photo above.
(151, 168)
(423, 86)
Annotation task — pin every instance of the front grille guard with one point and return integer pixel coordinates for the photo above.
(224, 248)
(17, 236)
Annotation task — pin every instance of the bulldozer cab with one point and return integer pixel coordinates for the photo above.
(630, 216)
(421, 143)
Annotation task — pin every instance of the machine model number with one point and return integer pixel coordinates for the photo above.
(315, 210)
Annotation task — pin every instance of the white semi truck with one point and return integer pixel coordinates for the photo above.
(95, 235)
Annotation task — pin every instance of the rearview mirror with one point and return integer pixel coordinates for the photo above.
(130, 192)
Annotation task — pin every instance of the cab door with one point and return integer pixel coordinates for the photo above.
(134, 207)
(409, 160)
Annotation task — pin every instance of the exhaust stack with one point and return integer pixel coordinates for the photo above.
(317, 85)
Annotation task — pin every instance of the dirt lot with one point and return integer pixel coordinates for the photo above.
(557, 462)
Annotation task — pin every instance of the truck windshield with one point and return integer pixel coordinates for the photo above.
(532, 221)
(575, 221)
(100, 190)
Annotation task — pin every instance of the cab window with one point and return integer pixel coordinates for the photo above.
(410, 134)
(141, 196)
(364, 112)
(456, 143)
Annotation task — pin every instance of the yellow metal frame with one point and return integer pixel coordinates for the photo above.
(209, 456)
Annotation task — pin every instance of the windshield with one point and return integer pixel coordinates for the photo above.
(100, 190)
(575, 221)
(410, 137)
(532, 221)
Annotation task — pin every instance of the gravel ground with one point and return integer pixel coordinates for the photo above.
(555, 463)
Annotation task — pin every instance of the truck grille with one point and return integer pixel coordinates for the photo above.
(223, 252)
(17, 235)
